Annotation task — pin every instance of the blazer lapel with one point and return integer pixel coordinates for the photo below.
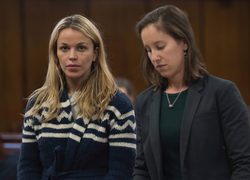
(192, 103)
(154, 128)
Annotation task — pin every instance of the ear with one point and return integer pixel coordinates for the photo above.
(96, 50)
(185, 45)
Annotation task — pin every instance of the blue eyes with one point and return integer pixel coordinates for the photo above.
(66, 48)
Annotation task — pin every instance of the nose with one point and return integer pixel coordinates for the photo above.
(154, 56)
(72, 55)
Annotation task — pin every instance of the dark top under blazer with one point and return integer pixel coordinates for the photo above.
(215, 133)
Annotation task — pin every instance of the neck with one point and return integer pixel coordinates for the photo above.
(176, 83)
(72, 86)
(175, 86)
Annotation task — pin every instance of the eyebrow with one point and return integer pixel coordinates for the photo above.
(155, 43)
(81, 43)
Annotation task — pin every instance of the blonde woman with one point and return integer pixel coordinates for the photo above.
(77, 125)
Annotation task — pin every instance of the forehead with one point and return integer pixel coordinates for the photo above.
(151, 34)
(69, 35)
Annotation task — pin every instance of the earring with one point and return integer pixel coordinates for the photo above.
(185, 54)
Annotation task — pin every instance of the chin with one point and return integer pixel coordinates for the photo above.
(74, 77)
(165, 75)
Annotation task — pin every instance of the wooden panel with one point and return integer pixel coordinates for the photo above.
(118, 19)
(227, 42)
(222, 31)
(10, 66)
(40, 18)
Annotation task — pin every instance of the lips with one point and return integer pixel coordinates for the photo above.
(73, 65)
(159, 66)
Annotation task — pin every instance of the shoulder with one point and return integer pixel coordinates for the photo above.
(30, 104)
(146, 95)
(221, 88)
(217, 80)
(121, 102)
(32, 99)
(214, 84)
(120, 110)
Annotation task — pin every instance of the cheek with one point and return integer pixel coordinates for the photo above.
(61, 67)
(58, 54)
(90, 58)
(61, 63)
(61, 58)
(178, 55)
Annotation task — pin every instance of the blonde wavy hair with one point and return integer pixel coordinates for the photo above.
(96, 92)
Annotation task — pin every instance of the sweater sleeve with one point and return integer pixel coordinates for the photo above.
(29, 165)
(121, 142)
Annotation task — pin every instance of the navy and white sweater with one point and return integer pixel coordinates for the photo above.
(66, 149)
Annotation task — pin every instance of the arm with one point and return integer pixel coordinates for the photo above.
(121, 144)
(29, 165)
(140, 169)
(235, 127)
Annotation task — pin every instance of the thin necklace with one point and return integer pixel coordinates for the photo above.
(172, 105)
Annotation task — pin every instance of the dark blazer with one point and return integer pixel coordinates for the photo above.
(215, 133)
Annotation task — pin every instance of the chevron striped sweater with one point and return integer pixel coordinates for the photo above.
(64, 148)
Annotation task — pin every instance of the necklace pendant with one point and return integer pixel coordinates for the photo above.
(171, 105)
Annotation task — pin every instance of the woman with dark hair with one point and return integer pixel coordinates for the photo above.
(190, 125)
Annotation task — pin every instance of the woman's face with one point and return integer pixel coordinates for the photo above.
(165, 53)
(76, 53)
